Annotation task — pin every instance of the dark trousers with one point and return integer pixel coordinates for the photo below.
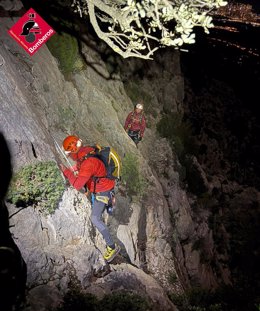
(98, 208)
(134, 135)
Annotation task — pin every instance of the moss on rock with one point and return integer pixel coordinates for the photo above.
(65, 48)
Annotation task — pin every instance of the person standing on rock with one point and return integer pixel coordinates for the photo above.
(135, 124)
(89, 173)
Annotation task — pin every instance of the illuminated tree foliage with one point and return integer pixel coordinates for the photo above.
(137, 28)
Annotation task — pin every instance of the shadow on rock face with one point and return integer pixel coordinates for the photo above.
(12, 266)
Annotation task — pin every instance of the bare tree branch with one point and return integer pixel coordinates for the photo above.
(138, 28)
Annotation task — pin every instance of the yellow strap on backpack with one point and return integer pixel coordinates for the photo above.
(115, 157)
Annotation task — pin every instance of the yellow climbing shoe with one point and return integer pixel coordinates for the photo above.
(111, 253)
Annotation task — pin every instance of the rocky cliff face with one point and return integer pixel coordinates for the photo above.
(38, 103)
(158, 230)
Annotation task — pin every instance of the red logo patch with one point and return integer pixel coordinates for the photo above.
(31, 31)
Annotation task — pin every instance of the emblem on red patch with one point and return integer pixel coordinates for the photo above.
(31, 31)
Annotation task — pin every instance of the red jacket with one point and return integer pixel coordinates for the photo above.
(86, 170)
(135, 122)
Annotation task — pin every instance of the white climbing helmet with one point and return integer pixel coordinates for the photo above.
(139, 106)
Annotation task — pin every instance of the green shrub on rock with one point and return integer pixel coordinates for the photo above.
(76, 300)
(197, 299)
(122, 301)
(39, 185)
(65, 48)
(131, 176)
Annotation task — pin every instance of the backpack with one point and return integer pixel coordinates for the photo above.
(111, 160)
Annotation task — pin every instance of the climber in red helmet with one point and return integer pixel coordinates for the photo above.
(89, 173)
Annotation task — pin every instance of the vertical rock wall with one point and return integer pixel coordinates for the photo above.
(157, 231)
(39, 104)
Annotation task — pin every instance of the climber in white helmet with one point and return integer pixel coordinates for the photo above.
(135, 123)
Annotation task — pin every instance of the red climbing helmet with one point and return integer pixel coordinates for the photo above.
(72, 144)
